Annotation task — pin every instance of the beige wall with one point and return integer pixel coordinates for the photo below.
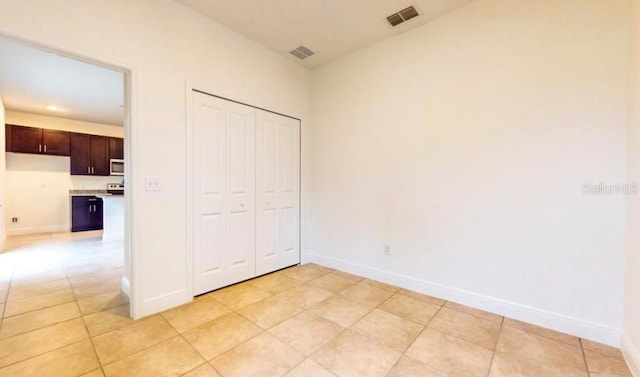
(37, 187)
(464, 145)
(167, 46)
(631, 329)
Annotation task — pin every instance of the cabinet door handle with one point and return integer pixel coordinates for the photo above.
(39, 147)
(93, 170)
(45, 148)
(89, 208)
(94, 208)
(88, 169)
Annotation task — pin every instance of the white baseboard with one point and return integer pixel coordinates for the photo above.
(554, 321)
(38, 230)
(631, 355)
(163, 302)
(126, 287)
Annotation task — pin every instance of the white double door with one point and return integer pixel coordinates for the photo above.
(246, 192)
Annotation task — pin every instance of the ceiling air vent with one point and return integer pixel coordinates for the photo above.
(301, 52)
(402, 16)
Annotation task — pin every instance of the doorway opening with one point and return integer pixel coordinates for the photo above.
(65, 209)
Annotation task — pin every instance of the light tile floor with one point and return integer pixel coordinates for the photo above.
(64, 315)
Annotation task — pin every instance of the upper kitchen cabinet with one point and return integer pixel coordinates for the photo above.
(22, 139)
(89, 155)
(116, 148)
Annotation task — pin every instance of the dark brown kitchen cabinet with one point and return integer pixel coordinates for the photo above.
(86, 213)
(21, 139)
(89, 155)
(116, 148)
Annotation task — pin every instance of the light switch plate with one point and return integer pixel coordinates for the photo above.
(152, 184)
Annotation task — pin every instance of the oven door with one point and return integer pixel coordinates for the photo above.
(117, 167)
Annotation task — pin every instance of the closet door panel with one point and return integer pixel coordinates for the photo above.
(277, 192)
(241, 131)
(267, 217)
(289, 196)
(209, 196)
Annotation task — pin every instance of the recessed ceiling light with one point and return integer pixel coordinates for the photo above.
(52, 108)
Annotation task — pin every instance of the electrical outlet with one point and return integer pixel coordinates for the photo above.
(14, 219)
(387, 250)
(152, 184)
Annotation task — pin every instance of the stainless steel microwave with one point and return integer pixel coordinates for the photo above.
(117, 167)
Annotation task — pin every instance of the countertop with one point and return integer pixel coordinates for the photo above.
(87, 192)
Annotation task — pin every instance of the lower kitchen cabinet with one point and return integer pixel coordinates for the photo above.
(86, 213)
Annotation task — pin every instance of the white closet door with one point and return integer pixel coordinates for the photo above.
(241, 186)
(277, 192)
(223, 192)
(209, 192)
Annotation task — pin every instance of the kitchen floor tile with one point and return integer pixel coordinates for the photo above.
(408, 367)
(274, 283)
(334, 282)
(453, 356)
(102, 301)
(108, 320)
(37, 319)
(388, 329)
(476, 312)
(305, 296)
(194, 314)
(122, 342)
(30, 304)
(354, 355)
(239, 296)
(367, 294)
(68, 361)
(410, 308)
(341, 310)
(306, 272)
(547, 333)
(263, 355)
(565, 359)
(309, 368)
(466, 326)
(204, 370)
(307, 332)
(24, 346)
(155, 361)
(220, 335)
(422, 297)
(601, 365)
(270, 311)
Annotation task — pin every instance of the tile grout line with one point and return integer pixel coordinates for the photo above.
(495, 347)
(584, 357)
(426, 326)
(86, 328)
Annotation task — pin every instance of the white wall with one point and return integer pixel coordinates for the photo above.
(631, 329)
(37, 187)
(166, 45)
(464, 145)
(3, 164)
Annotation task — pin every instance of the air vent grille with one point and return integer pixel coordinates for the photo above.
(402, 16)
(302, 52)
(395, 19)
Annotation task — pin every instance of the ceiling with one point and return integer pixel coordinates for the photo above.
(331, 28)
(32, 79)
